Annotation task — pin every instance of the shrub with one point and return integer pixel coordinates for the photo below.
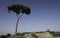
(8, 35)
(3, 36)
(18, 34)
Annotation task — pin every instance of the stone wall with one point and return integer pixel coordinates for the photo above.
(40, 35)
(28, 36)
(43, 34)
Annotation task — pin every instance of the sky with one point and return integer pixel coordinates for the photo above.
(45, 14)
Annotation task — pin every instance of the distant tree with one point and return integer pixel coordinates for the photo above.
(48, 30)
(19, 10)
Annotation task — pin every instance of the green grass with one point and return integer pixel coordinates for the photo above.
(56, 34)
(15, 36)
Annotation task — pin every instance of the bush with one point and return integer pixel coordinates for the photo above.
(21, 34)
(56, 34)
(18, 34)
(8, 35)
(3, 36)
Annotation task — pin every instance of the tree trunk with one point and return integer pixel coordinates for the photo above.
(18, 18)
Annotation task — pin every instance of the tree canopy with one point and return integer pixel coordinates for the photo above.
(17, 8)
